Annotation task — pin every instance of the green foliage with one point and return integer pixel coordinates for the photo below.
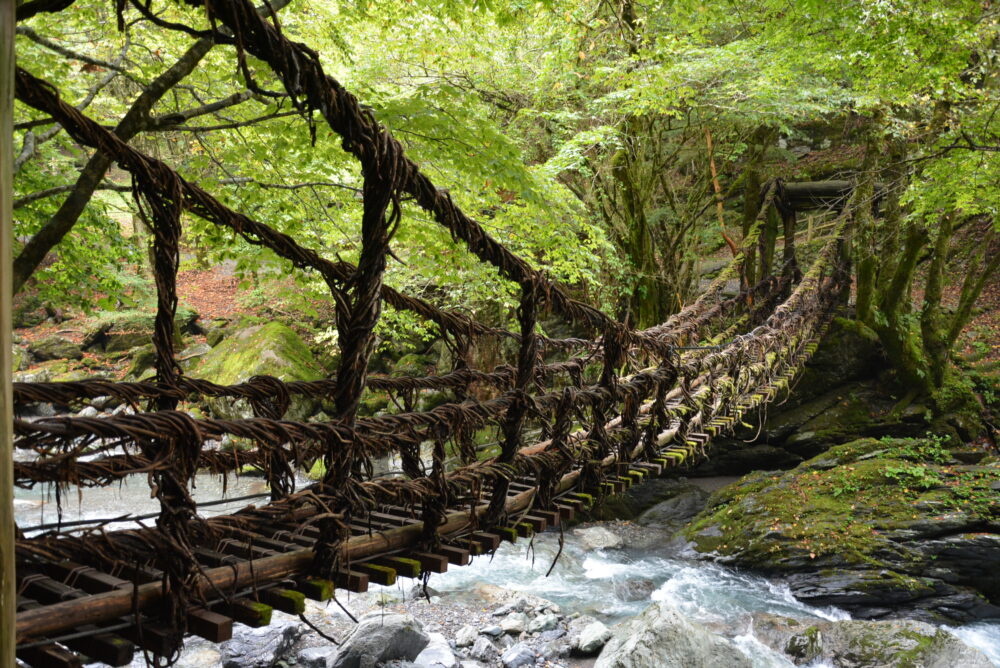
(576, 133)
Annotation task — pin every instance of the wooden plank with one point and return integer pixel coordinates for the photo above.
(210, 625)
(317, 589)
(46, 590)
(489, 541)
(139, 573)
(86, 578)
(404, 567)
(551, 517)
(114, 604)
(537, 522)
(430, 563)
(566, 512)
(213, 558)
(48, 656)
(107, 648)
(508, 534)
(246, 612)
(383, 575)
(354, 581)
(289, 601)
(455, 555)
(152, 637)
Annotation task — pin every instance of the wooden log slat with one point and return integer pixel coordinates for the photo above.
(49, 656)
(210, 625)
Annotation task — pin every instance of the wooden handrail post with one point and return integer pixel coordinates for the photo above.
(8, 602)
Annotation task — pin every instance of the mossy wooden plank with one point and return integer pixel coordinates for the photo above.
(382, 575)
(318, 589)
(404, 567)
(250, 613)
(509, 534)
(288, 601)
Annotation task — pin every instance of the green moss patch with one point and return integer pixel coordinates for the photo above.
(845, 506)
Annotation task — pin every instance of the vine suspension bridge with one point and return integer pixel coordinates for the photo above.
(622, 406)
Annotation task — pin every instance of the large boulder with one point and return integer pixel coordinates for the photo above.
(879, 527)
(273, 349)
(661, 637)
(866, 644)
(55, 348)
(675, 512)
(639, 498)
(379, 638)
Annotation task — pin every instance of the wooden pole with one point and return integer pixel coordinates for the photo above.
(8, 601)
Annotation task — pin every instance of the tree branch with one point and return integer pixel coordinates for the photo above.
(69, 53)
(135, 121)
(168, 121)
(56, 190)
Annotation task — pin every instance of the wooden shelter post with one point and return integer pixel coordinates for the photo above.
(8, 603)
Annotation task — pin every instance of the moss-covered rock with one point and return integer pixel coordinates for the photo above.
(142, 362)
(55, 348)
(115, 342)
(414, 365)
(191, 357)
(19, 358)
(273, 349)
(872, 525)
(900, 643)
(42, 373)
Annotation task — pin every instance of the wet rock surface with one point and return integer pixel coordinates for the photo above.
(379, 638)
(859, 644)
(890, 527)
(662, 637)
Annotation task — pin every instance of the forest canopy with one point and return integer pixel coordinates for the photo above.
(622, 147)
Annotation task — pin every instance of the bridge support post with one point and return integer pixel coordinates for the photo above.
(8, 602)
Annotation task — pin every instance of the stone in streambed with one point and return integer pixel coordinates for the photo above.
(437, 654)
(483, 650)
(514, 623)
(879, 527)
(661, 637)
(598, 538)
(466, 636)
(316, 657)
(544, 622)
(592, 638)
(518, 656)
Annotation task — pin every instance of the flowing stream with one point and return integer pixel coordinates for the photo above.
(608, 583)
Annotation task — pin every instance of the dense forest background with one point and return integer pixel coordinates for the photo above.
(624, 147)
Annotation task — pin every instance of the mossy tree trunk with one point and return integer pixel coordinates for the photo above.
(753, 183)
(887, 253)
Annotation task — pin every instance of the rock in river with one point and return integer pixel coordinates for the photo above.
(661, 637)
